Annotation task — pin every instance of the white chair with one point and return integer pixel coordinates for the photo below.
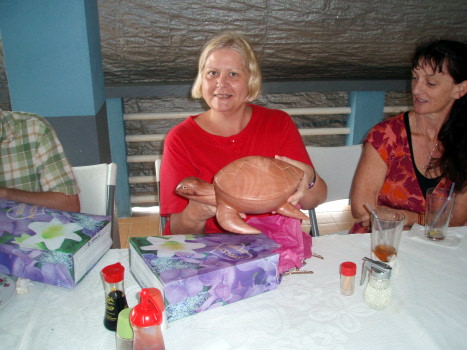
(97, 193)
(162, 219)
(336, 165)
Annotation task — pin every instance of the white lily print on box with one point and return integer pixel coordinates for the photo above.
(166, 248)
(52, 234)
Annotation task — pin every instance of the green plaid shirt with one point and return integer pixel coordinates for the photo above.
(31, 156)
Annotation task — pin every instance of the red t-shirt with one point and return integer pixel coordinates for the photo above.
(191, 151)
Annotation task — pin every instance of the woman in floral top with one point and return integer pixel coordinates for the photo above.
(427, 147)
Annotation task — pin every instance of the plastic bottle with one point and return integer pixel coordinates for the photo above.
(146, 319)
(157, 296)
(115, 299)
(124, 333)
(348, 270)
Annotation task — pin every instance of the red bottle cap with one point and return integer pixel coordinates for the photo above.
(146, 313)
(157, 296)
(348, 268)
(113, 273)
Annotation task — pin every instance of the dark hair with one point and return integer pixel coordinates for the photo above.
(451, 56)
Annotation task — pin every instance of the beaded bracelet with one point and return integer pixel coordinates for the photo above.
(313, 180)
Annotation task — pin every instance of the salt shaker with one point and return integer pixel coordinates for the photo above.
(348, 270)
(378, 293)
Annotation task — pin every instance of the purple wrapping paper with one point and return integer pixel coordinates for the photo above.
(50, 246)
(200, 272)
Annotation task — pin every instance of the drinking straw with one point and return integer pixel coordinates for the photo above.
(378, 222)
(443, 208)
(373, 212)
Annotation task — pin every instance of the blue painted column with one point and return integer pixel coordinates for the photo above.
(54, 67)
(367, 110)
(119, 152)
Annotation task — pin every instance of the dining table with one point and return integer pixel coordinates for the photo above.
(306, 311)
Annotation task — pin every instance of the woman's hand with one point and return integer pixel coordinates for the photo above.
(410, 217)
(308, 198)
(364, 219)
(192, 220)
(303, 186)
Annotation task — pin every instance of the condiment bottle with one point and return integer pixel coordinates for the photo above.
(157, 296)
(348, 270)
(378, 293)
(146, 319)
(115, 299)
(124, 333)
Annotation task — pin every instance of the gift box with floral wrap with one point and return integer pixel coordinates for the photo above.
(199, 272)
(50, 246)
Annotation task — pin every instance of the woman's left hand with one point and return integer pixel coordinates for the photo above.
(303, 186)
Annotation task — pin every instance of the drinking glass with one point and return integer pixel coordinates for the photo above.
(439, 204)
(386, 234)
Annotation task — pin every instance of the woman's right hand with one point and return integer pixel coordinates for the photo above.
(364, 220)
(201, 211)
(192, 220)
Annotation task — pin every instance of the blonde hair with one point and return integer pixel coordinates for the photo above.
(242, 46)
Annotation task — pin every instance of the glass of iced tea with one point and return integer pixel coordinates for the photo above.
(386, 234)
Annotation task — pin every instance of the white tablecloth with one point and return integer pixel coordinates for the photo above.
(429, 310)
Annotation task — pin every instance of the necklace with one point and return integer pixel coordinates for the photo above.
(429, 166)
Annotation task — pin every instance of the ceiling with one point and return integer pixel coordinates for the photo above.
(145, 41)
(159, 41)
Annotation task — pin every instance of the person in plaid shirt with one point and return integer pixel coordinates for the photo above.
(33, 165)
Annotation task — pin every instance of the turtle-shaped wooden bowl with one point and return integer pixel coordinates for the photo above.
(250, 185)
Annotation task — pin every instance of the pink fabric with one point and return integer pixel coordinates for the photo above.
(296, 244)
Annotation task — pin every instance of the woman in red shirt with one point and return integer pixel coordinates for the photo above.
(228, 79)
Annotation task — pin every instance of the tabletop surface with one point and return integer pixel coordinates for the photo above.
(429, 309)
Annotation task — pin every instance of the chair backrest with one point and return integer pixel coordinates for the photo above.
(97, 193)
(336, 165)
(162, 219)
(97, 187)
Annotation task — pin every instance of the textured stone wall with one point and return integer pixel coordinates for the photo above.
(145, 41)
(160, 40)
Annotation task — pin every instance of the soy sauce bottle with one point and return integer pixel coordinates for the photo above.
(115, 299)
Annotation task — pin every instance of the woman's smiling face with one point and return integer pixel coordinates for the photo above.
(433, 91)
(225, 80)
